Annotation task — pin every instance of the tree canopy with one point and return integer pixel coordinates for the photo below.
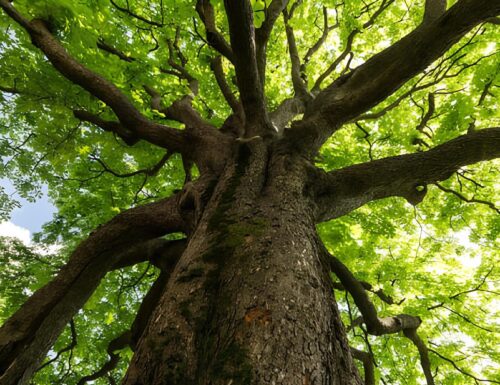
(435, 258)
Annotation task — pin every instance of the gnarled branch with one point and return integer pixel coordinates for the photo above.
(101, 88)
(344, 190)
(370, 83)
(28, 334)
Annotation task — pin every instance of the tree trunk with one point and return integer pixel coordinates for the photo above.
(250, 301)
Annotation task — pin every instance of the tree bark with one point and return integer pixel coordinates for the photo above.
(250, 301)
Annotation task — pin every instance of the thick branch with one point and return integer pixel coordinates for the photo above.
(263, 33)
(232, 101)
(101, 88)
(373, 81)
(242, 33)
(344, 190)
(29, 333)
(158, 251)
(214, 38)
(165, 255)
(423, 352)
(299, 85)
(433, 10)
(285, 112)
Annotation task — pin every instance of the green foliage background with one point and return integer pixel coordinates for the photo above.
(422, 256)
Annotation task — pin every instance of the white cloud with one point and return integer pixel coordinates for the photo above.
(9, 229)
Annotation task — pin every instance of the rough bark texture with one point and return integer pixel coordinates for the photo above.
(250, 301)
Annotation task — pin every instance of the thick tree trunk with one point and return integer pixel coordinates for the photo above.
(250, 301)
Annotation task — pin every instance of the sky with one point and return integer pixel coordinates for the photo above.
(28, 218)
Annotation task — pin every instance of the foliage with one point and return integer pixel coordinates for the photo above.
(438, 260)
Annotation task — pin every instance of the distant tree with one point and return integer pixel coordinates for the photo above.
(240, 201)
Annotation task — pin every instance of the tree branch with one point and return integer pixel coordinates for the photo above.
(465, 373)
(379, 326)
(28, 334)
(433, 10)
(376, 79)
(316, 46)
(341, 191)
(468, 200)
(214, 38)
(367, 362)
(285, 112)
(101, 88)
(375, 325)
(299, 85)
(126, 135)
(135, 15)
(118, 343)
(164, 255)
(70, 346)
(368, 287)
(101, 44)
(242, 34)
(263, 33)
(151, 171)
(232, 101)
(350, 39)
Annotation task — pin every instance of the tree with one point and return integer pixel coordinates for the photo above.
(289, 190)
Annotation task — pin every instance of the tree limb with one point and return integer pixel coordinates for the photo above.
(299, 85)
(367, 362)
(101, 44)
(375, 325)
(263, 33)
(433, 10)
(285, 112)
(101, 88)
(376, 79)
(126, 135)
(232, 101)
(368, 287)
(340, 191)
(242, 34)
(28, 334)
(214, 38)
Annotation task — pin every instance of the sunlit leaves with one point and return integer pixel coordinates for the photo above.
(422, 257)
